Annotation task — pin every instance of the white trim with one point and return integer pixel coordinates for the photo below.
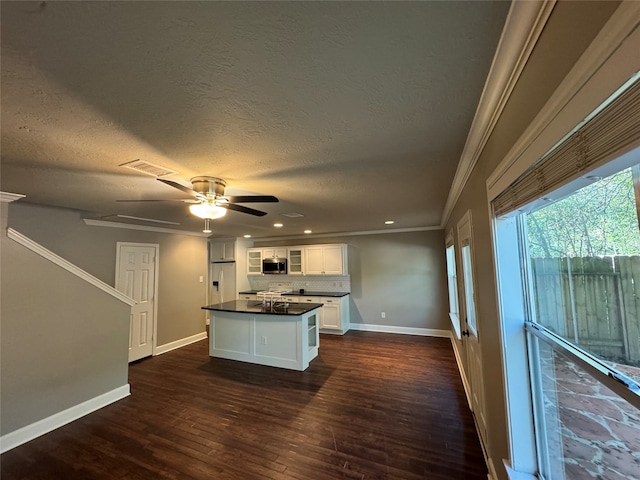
(57, 420)
(131, 226)
(70, 267)
(352, 234)
(510, 292)
(512, 53)
(602, 68)
(156, 268)
(6, 197)
(167, 347)
(425, 332)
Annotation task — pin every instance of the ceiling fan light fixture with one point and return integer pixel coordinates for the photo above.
(207, 211)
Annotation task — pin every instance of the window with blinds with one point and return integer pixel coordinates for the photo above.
(609, 132)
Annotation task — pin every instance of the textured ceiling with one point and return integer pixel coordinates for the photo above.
(350, 113)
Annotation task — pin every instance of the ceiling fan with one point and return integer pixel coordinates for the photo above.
(208, 200)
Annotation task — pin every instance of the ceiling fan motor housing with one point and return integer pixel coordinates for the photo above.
(209, 186)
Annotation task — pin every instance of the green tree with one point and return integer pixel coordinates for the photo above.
(599, 219)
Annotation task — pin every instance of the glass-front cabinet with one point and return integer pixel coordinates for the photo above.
(312, 326)
(254, 261)
(296, 258)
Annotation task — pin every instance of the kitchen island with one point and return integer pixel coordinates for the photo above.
(283, 335)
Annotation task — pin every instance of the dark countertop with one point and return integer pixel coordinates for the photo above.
(307, 293)
(252, 306)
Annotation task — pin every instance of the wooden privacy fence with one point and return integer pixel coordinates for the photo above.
(593, 302)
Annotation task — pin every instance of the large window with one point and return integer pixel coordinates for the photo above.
(583, 263)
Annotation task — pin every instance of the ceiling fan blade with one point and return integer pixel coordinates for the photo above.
(251, 198)
(173, 184)
(250, 211)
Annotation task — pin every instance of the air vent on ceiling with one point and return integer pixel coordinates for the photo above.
(148, 168)
(292, 215)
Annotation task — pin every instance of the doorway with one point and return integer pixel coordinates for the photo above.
(136, 277)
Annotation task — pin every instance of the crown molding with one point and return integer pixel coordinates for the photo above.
(68, 266)
(351, 234)
(6, 197)
(522, 28)
(131, 226)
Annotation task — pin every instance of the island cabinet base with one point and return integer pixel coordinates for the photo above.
(284, 341)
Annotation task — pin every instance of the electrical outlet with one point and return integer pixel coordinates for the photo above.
(383, 315)
(264, 340)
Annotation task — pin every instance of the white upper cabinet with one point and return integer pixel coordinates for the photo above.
(222, 250)
(325, 260)
(254, 261)
(329, 259)
(274, 252)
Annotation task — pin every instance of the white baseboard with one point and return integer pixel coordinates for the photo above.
(183, 342)
(57, 420)
(425, 332)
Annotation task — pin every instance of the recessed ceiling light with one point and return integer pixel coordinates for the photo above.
(389, 222)
(307, 231)
(247, 236)
(278, 225)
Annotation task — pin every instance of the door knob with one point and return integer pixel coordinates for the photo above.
(465, 333)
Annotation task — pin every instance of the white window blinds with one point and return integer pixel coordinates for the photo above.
(614, 130)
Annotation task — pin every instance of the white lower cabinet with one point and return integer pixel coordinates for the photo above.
(334, 314)
(248, 296)
(330, 314)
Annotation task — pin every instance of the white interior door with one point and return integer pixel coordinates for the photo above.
(470, 337)
(136, 274)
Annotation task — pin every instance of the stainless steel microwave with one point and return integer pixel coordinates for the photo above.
(274, 266)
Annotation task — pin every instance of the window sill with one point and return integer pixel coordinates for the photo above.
(515, 475)
(455, 322)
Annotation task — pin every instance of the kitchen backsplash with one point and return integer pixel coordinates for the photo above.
(338, 283)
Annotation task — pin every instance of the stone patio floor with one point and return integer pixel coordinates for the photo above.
(598, 434)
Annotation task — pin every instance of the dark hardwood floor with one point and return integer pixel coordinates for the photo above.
(371, 406)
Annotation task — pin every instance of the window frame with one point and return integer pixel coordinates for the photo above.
(452, 284)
